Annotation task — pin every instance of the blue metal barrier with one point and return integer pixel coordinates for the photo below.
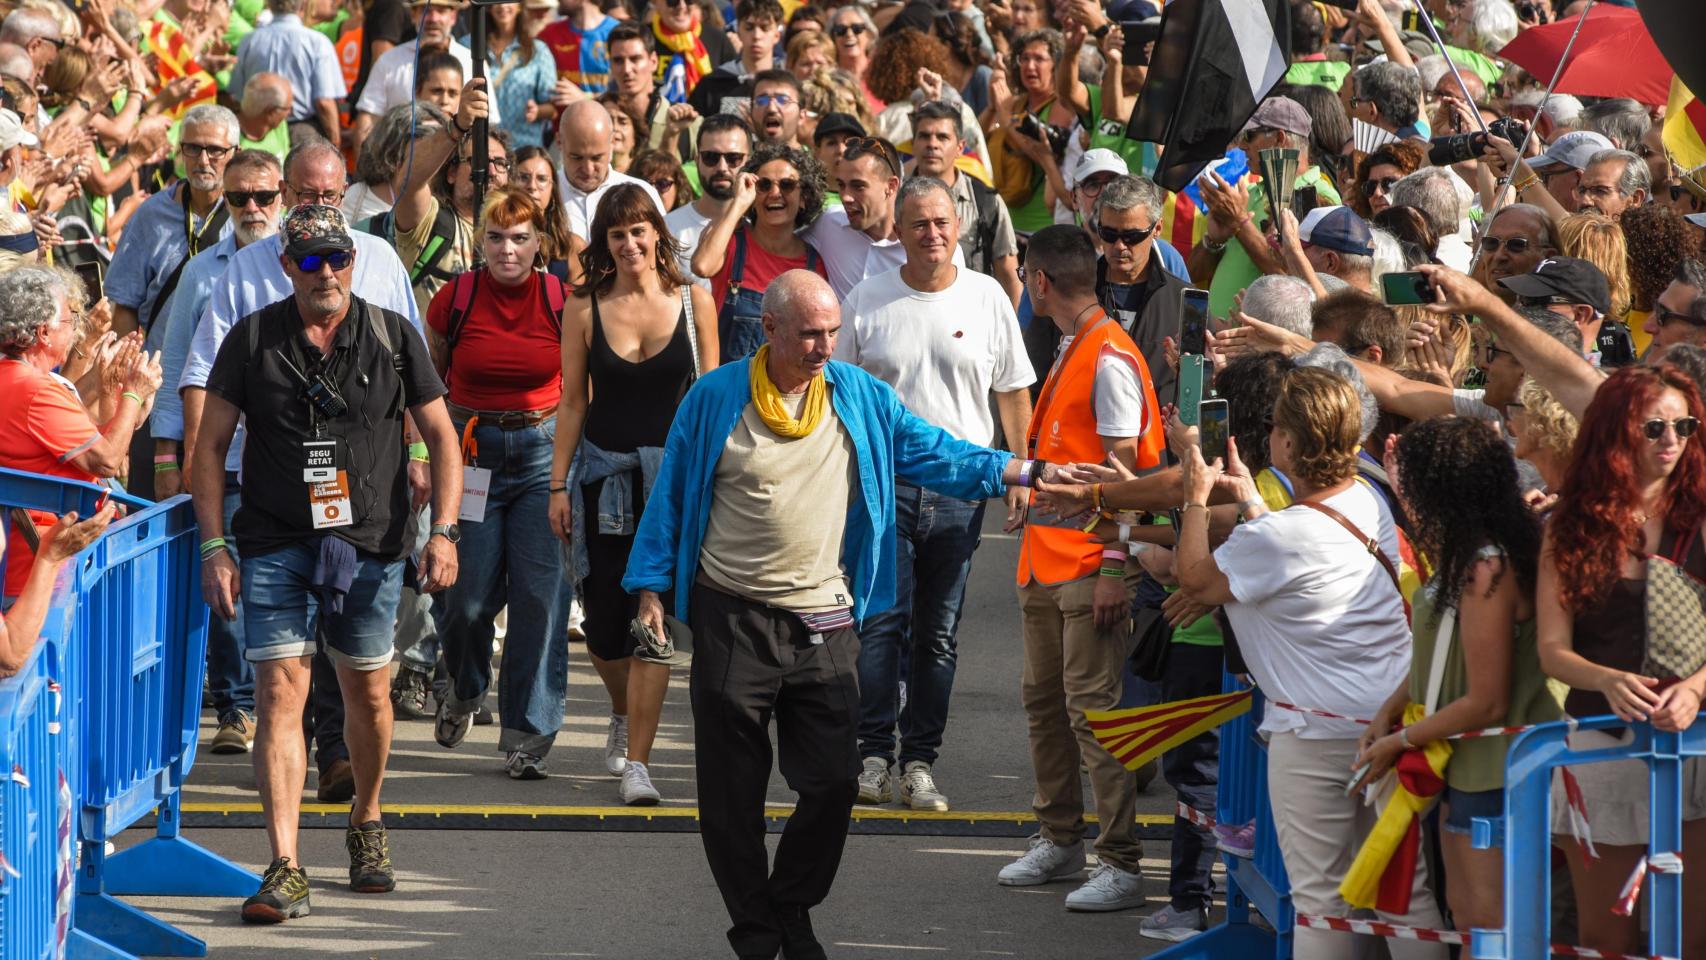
(134, 659)
(32, 811)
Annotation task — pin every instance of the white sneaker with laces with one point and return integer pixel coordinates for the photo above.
(1045, 862)
(616, 745)
(637, 789)
(918, 788)
(874, 782)
(1173, 925)
(524, 766)
(1109, 888)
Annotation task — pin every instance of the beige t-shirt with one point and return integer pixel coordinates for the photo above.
(778, 513)
(455, 260)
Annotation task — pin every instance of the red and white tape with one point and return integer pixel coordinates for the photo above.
(1394, 931)
(1466, 735)
(1193, 815)
(1656, 863)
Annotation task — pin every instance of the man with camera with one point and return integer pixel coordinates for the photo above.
(323, 380)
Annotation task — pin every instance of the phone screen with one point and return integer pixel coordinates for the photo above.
(1193, 323)
(1212, 416)
(1403, 289)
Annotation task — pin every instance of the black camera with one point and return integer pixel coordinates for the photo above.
(1509, 129)
(325, 397)
(1530, 12)
(1456, 148)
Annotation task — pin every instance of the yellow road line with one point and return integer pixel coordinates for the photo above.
(529, 810)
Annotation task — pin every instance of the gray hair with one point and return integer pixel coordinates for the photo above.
(1091, 67)
(1282, 300)
(1494, 24)
(791, 294)
(309, 149)
(254, 159)
(1396, 91)
(1332, 357)
(1562, 109)
(280, 7)
(1129, 193)
(214, 115)
(386, 149)
(1635, 175)
(1430, 68)
(31, 297)
(1559, 328)
(15, 62)
(1692, 272)
(922, 186)
(1621, 120)
(1431, 191)
(266, 91)
(28, 23)
(1388, 254)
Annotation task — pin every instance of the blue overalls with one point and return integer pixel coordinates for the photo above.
(740, 320)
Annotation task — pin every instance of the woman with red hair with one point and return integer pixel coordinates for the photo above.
(1636, 487)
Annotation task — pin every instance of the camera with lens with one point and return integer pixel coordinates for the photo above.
(325, 397)
(1530, 12)
(1509, 129)
(1457, 148)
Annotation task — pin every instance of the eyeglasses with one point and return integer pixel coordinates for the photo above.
(312, 262)
(1383, 185)
(1666, 316)
(1026, 274)
(495, 163)
(766, 99)
(330, 198)
(843, 29)
(1654, 429)
(58, 44)
(238, 199)
(1095, 185)
(784, 186)
(1516, 245)
(1130, 238)
(211, 151)
(718, 158)
(857, 147)
(1492, 352)
(663, 183)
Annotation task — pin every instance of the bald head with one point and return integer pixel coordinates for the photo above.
(585, 141)
(796, 295)
(266, 91)
(801, 320)
(315, 168)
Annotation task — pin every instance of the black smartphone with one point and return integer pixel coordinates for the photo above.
(94, 278)
(1212, 429)
(1136, 38)
(1193, 322)
(1406, 289)
(1342, 4)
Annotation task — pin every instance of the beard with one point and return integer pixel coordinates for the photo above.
(247, 234)
(327, 301)
(719, 190)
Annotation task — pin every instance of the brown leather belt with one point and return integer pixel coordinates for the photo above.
(503, 419)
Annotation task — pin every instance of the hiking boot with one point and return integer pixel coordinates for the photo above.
(1174, 925)
(409, 694)
(874, 785)
(799, 942)
(283, 895)
(637, 789)
(616, 745)
(1109, 888)
(337, 783)
(918, 788)
(450, 729)
(1045, 862)
(369, 858)
(524, 766)
(236, 734)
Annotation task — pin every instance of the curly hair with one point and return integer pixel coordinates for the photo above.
(893, 73)
(956, 31)
(812, 180)
(1323, 414)
(30, 298)
(1404, 155)
(1250, 385)
(1047, 36)
(1594, 524)
(833, 90)
(1658, 239)
(1460, 493)
(1551, 425)
(1596, 238)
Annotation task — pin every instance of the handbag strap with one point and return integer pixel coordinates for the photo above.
(692, 331)
(1442, 652)
(1371, 544)
(26, 525)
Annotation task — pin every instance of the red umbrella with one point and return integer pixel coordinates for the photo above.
(1614, 57)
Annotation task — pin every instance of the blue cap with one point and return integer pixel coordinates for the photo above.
(1132, 11)
(1337, 228)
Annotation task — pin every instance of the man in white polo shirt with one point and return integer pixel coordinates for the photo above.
(587, 174)
(945, 338)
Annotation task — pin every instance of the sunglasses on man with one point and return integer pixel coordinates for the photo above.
(1130, 238)
(312, 262)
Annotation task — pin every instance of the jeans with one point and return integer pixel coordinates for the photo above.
(416, 639)
(913, 641)
(1192, 769)
(510, 557)
(230, 678)
(282, 616)
(740, 325)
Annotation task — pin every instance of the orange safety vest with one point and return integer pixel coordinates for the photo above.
(1063, 430)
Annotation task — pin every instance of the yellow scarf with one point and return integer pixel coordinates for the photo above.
(767, 400)
(689, 45)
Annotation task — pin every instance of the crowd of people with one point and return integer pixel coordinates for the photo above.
(713, 356)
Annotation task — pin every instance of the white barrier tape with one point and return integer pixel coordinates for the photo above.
(1656, 863)
(1193, 815)
(1393, 931)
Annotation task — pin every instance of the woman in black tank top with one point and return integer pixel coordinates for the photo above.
(1630, 512)
(638, 333)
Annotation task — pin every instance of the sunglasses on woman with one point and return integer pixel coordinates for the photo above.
(784, 186)
(843, 29)
(1684, 427)
(312, 262)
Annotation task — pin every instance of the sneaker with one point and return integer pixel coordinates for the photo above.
(369, 858)
(483, 716)
(1045, 862)
(450, 729)
(524, 766)
(1109, 888)
(874, 786)
(283, 895)
(236, 734)
(409, 695)
(918, 788)
(1173, 925)
(637, 789)
(1239, 841)
(799, 941)
(337, 783)
(616, 745)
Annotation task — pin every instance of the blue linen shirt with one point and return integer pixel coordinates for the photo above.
(533, 80)
(302, 55)
(153, 245)
(178, 320)
(888, 441)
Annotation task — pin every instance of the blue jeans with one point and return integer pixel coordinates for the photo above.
(511, 557)
(230, 678)
(740, 325)
(913, 642)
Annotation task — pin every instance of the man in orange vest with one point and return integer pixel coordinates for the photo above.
(1076, 597)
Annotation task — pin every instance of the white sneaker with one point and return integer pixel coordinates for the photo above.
(1045, 862)
(637, 789)
(1173, 925)
(616, 745)
(918, 788)
(874, 784)
(1109, 888)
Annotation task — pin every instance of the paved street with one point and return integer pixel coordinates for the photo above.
(595, 882)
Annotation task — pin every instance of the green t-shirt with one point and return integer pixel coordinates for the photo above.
(1484, 66)
(1236, 270)
(332, 27)
(1201, 632)
(1321, 73)
(1140, 156)
(276, 142)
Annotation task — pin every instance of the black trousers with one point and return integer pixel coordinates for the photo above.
(752, 662)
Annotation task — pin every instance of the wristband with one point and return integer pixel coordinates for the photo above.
(1200, 506)
(211, 545)
(562, 489)
(132, 394)
(1404, 738)
(1245, 505)
(165, 458)
(1095, 518)
(1025, 467)
(418, 452)
(1096, 498)
(167, 467)
(1215, 247)
(1125, 533)
(1112, 572)
(457, 130)
(1114, 554)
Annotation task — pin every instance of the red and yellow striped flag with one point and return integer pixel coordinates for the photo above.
(166, 42)
(1685, 127)
(1136, 735)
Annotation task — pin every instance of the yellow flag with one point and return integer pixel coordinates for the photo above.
(1685, 127)
(1139, 734)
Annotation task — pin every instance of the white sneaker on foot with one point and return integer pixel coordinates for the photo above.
(874, 786)
(918, 788)
(1045, 862)
(616, 745)
(1109, 888)
(1173, 925)
(637, 789)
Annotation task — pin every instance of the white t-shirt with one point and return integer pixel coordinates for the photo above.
(942, 352)
(1318, 620)
(580, 207)
(391, 80)
(685, 224)
(1116, 396)
(850, 256)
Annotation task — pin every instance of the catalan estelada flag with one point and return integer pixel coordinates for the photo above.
(1685, 127)
(1139, 734)
(166, 42)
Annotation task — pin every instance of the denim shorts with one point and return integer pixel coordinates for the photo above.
(1462, 807)
(280, 611)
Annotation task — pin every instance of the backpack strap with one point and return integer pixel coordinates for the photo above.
(988, 221)
(438, 246)
(556, 295)
(811, 257)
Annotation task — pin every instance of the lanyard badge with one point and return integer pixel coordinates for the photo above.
(328, 486)
(476, 481)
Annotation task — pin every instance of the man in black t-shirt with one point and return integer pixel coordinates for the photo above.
(323, 380)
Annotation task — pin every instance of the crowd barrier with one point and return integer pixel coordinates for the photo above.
(129, 642)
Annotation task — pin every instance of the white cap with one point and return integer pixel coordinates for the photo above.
(1698, 219)
(1573, 150)
(1099, 160)
(12, 132)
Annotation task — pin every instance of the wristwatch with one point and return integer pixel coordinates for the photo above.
(449, 531)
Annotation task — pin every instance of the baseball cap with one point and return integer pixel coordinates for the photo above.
(12, 132)
(1573, 149)
(315, 228)
(1281, 113)
(1099, 160)
(1337, 228)
(1566, 278)
(837, 123)
(1132, 11)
